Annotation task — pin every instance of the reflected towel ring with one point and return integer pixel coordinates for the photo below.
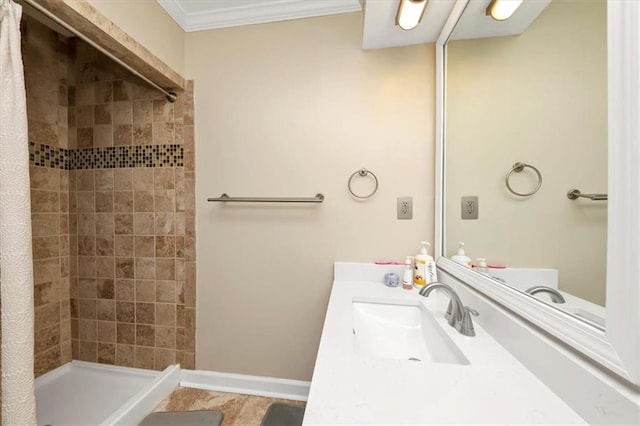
(518, 167)
(363, 172)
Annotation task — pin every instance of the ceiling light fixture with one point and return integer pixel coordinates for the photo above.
(410, 13)
(502, 9)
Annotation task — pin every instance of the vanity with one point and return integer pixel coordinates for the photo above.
(372, 366)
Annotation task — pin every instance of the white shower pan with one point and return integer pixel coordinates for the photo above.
(86, 393)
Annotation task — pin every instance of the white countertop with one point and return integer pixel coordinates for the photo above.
(352, 389)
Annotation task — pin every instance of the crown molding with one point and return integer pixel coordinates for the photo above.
(247, 14)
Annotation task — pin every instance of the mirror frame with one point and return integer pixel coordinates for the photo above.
(618, 347)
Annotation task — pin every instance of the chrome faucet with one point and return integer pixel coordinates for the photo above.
(458, 316)
(555, 295)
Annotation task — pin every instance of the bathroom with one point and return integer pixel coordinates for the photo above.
(279, 109)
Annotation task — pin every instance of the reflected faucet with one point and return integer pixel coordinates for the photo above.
(458, 316)
(555, 295)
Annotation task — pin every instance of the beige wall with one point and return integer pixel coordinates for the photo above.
(148, 23)
(292, 109)
(539, 98)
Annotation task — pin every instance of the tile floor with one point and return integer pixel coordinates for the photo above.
(238, 409)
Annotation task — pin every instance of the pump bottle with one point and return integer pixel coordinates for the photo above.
(461, 257)
(420, 270)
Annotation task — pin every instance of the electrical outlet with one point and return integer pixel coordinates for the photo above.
(405, 208)
(470, 207)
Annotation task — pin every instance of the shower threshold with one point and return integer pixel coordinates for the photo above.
(88, 393)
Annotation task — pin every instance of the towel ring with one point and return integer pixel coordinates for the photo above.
(363, 172)
(518, 167)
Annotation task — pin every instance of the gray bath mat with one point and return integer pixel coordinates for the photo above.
(283, 415)
(183, 418)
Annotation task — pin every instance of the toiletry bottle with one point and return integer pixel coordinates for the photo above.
(461, 257)
(407, 276)
(431, 274)
(420, 271)
(482, 266)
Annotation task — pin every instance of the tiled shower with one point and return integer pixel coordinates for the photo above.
(112, 185)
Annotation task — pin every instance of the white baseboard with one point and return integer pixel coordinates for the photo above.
(249, 385)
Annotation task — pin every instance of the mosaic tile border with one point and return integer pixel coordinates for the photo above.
(110, 157)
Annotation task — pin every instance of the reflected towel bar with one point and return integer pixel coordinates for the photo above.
(575, 194)
(226, 198)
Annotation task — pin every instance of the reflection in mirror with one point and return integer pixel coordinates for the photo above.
(539, 98)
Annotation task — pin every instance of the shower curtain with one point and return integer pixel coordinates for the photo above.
(16, 267)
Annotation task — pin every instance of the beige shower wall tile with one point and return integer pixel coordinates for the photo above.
(104, 180)
(124, 245)
(44, 224)
(165, 177)
(44, 178)
(145, 268)
(144, 223)
(85, 180)
(106, 288)
(47, 360)
(124, 290)
(104, 245)
(106, 353)
(165, 246)
(122, 113)
(144, 357)
(165, 201)
(143, 178)
(142, 134)
(166, 292)
(84, 116)
(143, 201)
(105, 223)
(123, 179)
(123, 201)
(166, 314)
(45, 293)
(46, 338)
(103, 92)
(125, 355)
(145, 291)
(122, 134)
(46, 247)
(44, 201)
(103, 135)
(46, 315)
(86, 201)
(142, 112)
(46, 270)
(144, 246)
(42, 132)
(122, 91)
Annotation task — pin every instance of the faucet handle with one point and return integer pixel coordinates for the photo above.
(465, 326)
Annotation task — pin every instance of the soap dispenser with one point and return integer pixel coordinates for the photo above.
(420, 271)
(482, 266)
(461, 257)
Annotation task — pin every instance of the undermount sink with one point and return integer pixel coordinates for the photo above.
(403, 332)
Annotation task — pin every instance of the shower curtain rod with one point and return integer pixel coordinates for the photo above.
(171, 96)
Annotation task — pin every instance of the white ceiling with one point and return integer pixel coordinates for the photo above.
(195, 15)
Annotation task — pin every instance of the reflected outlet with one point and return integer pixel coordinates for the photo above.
(470, 207)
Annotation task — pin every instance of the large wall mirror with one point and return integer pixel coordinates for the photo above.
(551, 88)
(538, 98)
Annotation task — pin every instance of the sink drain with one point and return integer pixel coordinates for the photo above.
(415, 359)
